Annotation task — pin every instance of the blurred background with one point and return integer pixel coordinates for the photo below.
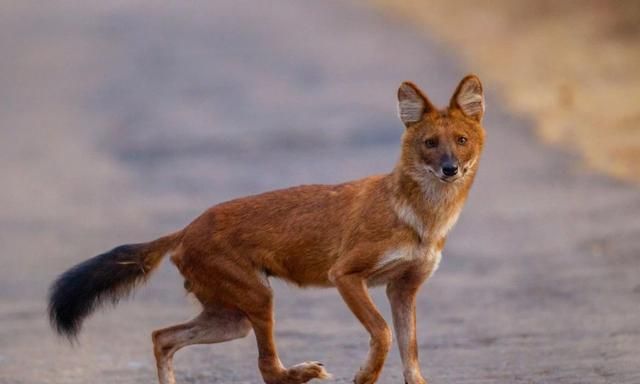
(572, 66)
(121, 121)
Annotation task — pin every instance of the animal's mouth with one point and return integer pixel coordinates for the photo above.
(447, 179)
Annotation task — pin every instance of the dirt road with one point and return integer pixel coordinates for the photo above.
(122, 121)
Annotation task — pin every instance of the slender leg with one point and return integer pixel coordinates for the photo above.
(402, 297)
(271, 368)
(232, 280)
(207, 328)
(354, 292)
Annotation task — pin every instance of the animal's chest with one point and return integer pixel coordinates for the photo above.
(397, 260)
(424, 254)
(431, 227)
(442, 225)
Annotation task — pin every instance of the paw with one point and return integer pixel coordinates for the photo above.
(303, 372)
(419, 380)
(365, 377)
(414, 378)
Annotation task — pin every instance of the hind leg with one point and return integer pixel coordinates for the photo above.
(220, 276)
(208, 328)
(273, 372)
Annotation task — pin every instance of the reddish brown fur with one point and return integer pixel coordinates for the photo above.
(386, 229)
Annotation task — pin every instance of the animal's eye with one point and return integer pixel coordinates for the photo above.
(431, 143)
(462, 140)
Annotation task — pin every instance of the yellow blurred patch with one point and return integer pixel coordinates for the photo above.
(573, 66)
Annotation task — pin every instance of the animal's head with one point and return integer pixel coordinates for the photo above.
(442, 145)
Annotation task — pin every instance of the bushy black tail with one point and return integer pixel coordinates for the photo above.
(104, 278)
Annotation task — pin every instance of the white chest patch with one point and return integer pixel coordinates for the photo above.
(443, 229)
(407, 215)
(409, 254)
(437, 256)
(394, 256)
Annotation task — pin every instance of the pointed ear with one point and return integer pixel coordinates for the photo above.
(469, 98)
(412, 103)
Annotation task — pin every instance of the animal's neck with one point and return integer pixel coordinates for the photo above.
(428, 205)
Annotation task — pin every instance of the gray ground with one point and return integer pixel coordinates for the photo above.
(121, 122)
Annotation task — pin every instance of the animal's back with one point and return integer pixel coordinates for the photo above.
(293, 233)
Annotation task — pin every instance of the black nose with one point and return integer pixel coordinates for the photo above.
(450, 170)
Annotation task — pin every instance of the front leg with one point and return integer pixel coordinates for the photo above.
(402, 297)
(353, 289)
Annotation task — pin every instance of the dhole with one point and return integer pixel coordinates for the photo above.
(387, 229)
